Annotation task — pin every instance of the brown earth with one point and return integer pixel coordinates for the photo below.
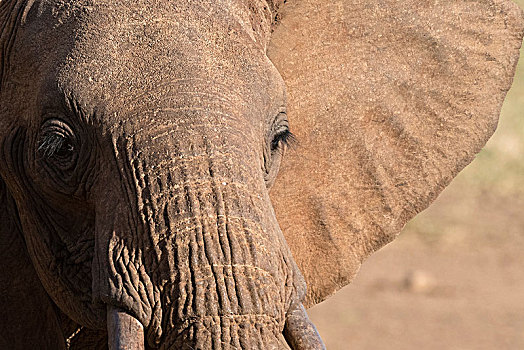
(454, 279)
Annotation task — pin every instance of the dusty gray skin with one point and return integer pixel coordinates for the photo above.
(139, 141)
(146, 140)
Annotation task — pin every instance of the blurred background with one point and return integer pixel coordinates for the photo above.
(454, 279)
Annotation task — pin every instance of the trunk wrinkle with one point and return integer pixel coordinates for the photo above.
(220, 275)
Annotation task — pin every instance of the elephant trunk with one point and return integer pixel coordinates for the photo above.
(195, 252)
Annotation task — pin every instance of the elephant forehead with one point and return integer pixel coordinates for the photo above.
(125, 51)
(126, 58)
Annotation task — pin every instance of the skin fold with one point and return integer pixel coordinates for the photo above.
(139, 142)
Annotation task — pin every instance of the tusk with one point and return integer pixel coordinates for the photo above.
(300, 332)
(123, 330)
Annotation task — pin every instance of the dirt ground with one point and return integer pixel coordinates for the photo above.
(454, 279)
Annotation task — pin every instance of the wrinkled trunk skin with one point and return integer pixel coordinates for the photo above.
(200, 261)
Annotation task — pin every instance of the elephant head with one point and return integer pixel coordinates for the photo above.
(140, 141)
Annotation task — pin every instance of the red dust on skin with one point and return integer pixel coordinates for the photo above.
(136, 177)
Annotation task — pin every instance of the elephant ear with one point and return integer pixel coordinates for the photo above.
(389, 100)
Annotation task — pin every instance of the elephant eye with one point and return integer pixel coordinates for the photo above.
(282, 138)
(57, 145)
(279, 137)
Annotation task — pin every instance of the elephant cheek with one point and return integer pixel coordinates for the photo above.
(120, 277)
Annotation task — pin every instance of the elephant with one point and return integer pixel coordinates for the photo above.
(195, 174)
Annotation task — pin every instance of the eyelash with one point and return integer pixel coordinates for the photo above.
(52, 144)
(284, 138)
